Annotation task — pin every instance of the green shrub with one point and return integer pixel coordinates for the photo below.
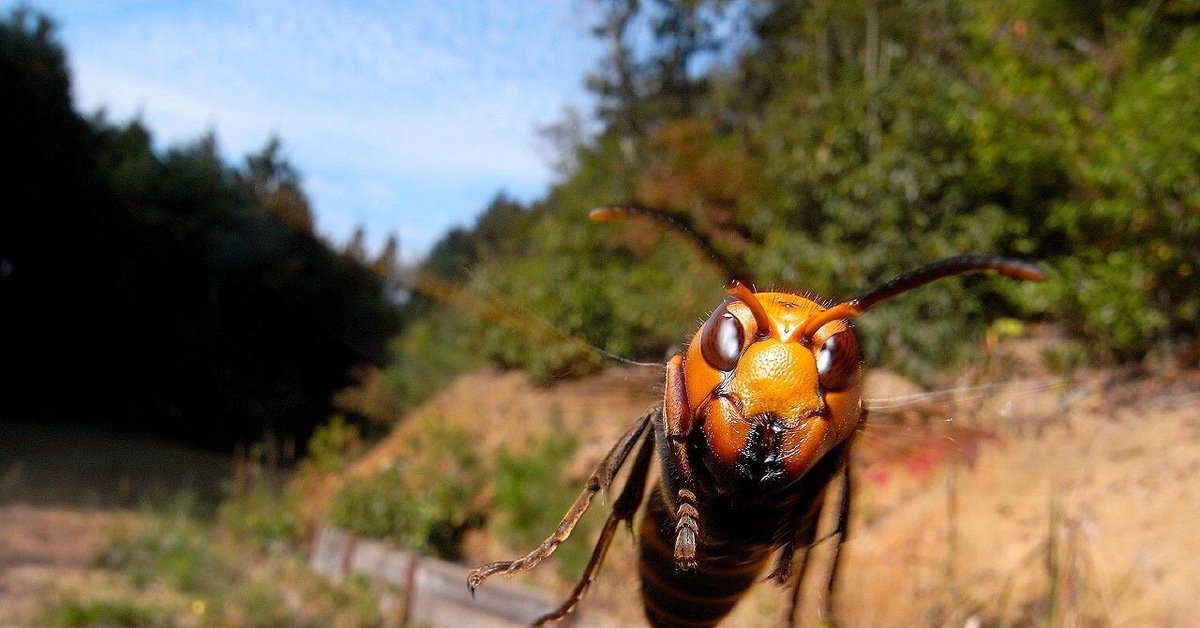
(265, 515)
(425, 501)
(379, 506)
(204, 573)
(103, 612)
(532, 493)
(334, 444)
(175, 550)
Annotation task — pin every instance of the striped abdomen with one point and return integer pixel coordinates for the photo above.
(699, 597)
(736, 541)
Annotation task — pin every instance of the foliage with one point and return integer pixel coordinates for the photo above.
(101, 612)
(182, 568)
(1142, 211)
(267, 520)
(428, 355)
(434, 493)
(826, 147)
(334, 444)
(172, 549)
(531, 495)
(186, 296)
(265, 516)
(425, 501)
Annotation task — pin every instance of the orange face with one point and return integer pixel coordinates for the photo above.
(769, 400)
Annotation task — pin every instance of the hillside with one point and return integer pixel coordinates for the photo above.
(965, 502)
(1094, 477)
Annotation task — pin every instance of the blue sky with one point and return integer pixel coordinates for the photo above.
(403, 116)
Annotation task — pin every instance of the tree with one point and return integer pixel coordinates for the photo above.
(277, 186)
(168, 293)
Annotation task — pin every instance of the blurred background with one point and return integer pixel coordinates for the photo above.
(269, 269)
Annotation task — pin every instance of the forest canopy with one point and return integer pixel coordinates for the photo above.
(826, 147)
(167, 291)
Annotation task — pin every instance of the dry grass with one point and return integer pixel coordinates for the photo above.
(75, 550)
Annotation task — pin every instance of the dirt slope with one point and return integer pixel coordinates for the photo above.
(1071, 503)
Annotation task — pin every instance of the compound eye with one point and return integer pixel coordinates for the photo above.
(837, 360)
(721, 340)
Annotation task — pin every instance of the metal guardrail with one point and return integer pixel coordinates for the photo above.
(421, 590)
